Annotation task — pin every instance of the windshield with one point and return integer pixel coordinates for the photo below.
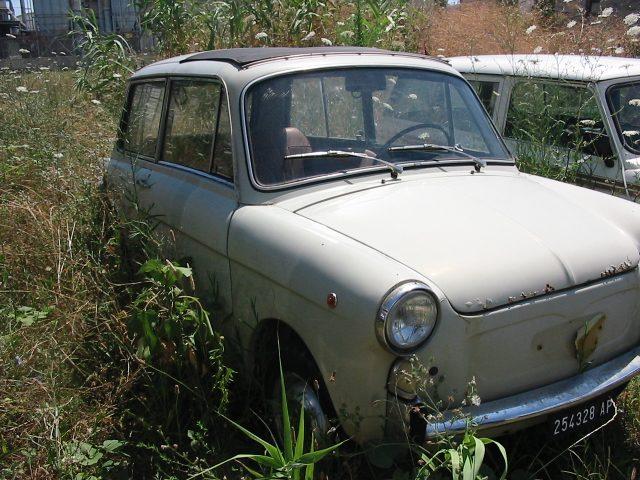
(624, 103)
(368, 112)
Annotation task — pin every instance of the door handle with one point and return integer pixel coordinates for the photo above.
(143, 182)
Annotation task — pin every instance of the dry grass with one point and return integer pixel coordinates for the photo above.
(52, 140)
(485, 27)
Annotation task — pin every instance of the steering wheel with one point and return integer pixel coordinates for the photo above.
(385, 153)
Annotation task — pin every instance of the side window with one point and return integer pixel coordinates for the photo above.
(222, 154)
(488, 93)
(564, 116)
(306, 105)
(191, 123)
(142, 124)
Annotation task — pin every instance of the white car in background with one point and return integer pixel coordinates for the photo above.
(361, 203)
(570, 107)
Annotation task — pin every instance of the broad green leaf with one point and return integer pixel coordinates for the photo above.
(286, 422)
(273, 450)
(316, 456)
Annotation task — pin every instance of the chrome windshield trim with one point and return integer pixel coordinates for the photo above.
(542, 401)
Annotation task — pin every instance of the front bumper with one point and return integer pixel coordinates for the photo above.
(533, 406)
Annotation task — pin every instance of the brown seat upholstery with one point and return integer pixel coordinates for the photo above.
(295, 143)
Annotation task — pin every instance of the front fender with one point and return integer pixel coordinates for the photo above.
(283, 266)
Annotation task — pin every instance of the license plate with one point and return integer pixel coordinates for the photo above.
(583, 418)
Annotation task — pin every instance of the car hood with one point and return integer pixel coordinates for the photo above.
(485, 240)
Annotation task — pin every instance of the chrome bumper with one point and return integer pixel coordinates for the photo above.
(537, 404)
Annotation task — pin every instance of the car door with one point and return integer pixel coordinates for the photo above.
(558, 125)
(192, 186)
(131, 165)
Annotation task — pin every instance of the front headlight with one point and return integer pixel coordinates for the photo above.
(406, 317)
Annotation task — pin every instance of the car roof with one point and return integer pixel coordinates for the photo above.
(244, 57)
(586, 68)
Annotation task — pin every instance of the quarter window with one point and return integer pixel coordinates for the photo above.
(487, 92)
(141, 128)
(191, 123)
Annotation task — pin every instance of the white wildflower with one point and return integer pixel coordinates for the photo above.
(96, 102)
(423, 136)
(606, 12)
(57, 155)
(24, 51)
(413, 96)
(9, 35)
(475, 400)
(531, 29)
(571, 24)
(537, 49)
(340, 24)
(588, 122)
(631, 133)
(261, 36)
(347, 34)
(634, 31)
(22, 89)
(309, 36)
(631, 19)
(326, 41)
(619, 51)
(634, 102)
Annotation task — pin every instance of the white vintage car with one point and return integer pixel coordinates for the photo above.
(361, 202)
(574, 108)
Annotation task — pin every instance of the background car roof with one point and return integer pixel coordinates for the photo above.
(584, 68)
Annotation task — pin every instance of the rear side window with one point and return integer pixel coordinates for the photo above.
(552, 113)
(488, 93)
(191, 123)
(141, 128)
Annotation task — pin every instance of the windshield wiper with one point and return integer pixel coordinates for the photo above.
(479, 163)
(395, 169)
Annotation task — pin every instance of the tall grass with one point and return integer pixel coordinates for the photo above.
(109, 367)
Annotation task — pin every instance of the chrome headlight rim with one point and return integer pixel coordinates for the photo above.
(391, 299)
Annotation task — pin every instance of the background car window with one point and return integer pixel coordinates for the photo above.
(191, 123)
(143, 120)
(624, 104)
(222, 156)
(559, 115)
(488, 93)
(306, 102)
